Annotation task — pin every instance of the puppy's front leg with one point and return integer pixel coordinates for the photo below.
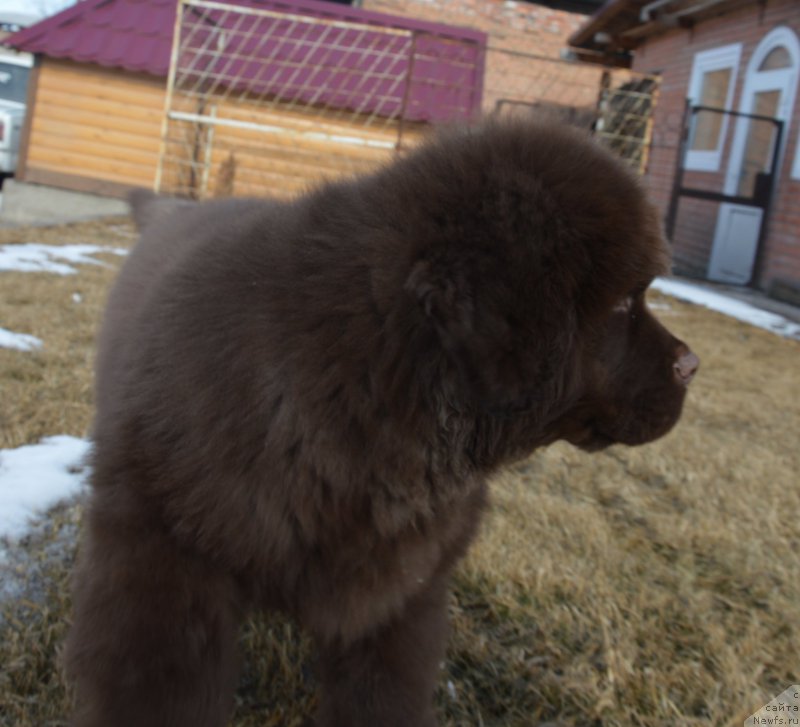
(387, 679)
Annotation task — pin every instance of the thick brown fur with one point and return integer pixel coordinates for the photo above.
(298, 405)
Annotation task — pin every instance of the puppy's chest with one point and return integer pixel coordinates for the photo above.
(367, 579)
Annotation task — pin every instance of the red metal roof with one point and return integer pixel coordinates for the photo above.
(132, 34)
(137, 34)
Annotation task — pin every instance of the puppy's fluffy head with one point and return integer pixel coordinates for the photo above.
(531, 249)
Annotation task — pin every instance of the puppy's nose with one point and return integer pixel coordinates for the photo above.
(686, 365)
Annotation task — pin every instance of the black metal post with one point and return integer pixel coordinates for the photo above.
(768, 194)
(680, 163)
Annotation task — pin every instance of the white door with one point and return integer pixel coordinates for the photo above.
(769, 90)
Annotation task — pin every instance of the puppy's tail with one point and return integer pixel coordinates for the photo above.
(147, 206)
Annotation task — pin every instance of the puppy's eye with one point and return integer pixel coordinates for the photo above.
(624, 306)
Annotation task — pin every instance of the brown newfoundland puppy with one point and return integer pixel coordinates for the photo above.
(298, 405)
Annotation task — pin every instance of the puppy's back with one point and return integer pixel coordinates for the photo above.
(176, 237)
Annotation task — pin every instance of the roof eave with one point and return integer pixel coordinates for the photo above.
(602, 58)
(609, 35)
(596, 22)
(23, 39)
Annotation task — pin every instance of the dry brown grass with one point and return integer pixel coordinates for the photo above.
(655, 586)
(50, 391)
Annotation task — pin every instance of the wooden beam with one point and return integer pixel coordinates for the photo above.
(610, 60)
(598, 21)
(78, 183)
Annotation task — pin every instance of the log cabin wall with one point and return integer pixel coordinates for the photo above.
(294, 148)
(93, 129)
(96, 129)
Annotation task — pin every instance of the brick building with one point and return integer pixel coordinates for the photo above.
(527, 41)
(742, 58)
(99, 96)
(521, 26)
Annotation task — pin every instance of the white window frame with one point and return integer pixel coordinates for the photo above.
(716, 59)
(787, 38)
(796, 165)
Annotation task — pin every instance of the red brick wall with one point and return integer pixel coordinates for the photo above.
(514, 28)
(519, 26)
(672, 54)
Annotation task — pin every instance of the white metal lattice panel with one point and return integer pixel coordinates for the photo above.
(262, 101)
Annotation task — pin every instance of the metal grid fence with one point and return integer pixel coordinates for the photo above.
(625, 115)
(615, 104)
(265, 102)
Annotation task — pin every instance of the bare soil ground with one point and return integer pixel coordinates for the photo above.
(656, 586)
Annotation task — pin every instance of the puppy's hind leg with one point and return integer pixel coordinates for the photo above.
(153, 642)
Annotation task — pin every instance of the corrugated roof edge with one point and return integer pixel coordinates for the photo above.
(22, 38)
(26, 39)
(372, 17)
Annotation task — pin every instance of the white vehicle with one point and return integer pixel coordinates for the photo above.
(15, 70)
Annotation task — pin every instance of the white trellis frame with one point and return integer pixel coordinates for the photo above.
(262, 101)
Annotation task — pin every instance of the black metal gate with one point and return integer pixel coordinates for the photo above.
(756, 193)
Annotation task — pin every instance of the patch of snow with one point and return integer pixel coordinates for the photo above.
(737, 309)
(77, 298)
(35, 257)
(37, 476)
(18, 341)
(23, 574)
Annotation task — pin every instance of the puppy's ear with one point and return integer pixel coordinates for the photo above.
(147, 207)
(445, 297)
(470, 333)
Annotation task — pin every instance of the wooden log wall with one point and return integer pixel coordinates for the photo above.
(94, 129)
(293, 148)
(98, 130)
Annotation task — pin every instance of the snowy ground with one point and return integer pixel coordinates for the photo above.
(58, 259)
(19, 341)
(35, 477)
(732, 307)
(32, 479)
(41, 258)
